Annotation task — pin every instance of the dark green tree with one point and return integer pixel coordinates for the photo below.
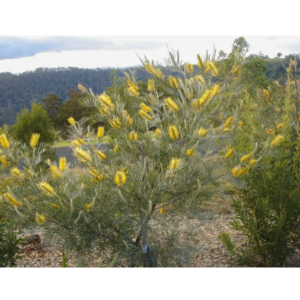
(279, 55)
(52, 104)
(33, 121)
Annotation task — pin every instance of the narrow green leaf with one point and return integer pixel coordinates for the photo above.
(113, 261)
(79, 262)
(64, 264)
(100, 263)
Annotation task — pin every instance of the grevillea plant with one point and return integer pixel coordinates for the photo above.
(170, 153)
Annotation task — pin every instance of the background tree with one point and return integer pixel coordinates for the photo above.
(34, 121)
(52, 104)
(279, 54)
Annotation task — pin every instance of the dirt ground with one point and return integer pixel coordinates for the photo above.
(210, 250)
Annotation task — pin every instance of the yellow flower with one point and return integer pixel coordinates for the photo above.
(202, 132)
(115, 149)
(106, 101)
(158, 131)
(47, 189)
(103, 111)
(278, 110)
(171, 104)
(29, 172)
(81, 88)
(173, 132)
(76, 143)
(240, 123)
(150, 69)
(151, 85)
(132, 85)
(204, 98)
(228, 122)
(97, 176)
(162, 211)
(133, 92)
(213, 68)
(145, 108)
(72, 121)
(62, 163)
(145, 115)
(81, 155)
(252, 162)
(4, 161)
(4, 141)
(280, 126)
(100, 132)
(276, 141)
(270, 131)
(55, 172)
(120, 178)
(245, 157)
(207, 69)
(235, 70)
(243, 171)
(215, 90)
(190, 152)
(200, 78)
(298, 119)
(189, 68)
(173, 82)
(160, 74)
(229, 153)
(12, 200)
(190, 95)
(200, 63)
(115, 123)
(266, 93)
(133, 136)
(226, 129)
(40, 218)
(15, 171)
(80, 141)
(235, 170)
(174, 163)
(54, 205)
(101, 155)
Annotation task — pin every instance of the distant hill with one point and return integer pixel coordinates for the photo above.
(18, 91)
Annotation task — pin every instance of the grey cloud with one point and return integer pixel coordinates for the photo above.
(16, 47)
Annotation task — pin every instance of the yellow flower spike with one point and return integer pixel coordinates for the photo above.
(173, 132)
(55, 172)
(90, 206)
(151, 85)
(277, 140)
(226, 129)
(213, 68)
(158, 131)
(150, 69)
(204, 98)
(202, 132)
(12, 200)
(298, 119)
(62, 163)
(235, 70)
(215, 90)
(82, 155)
(29, 172)
(253, 162)
(190, 152)
(120, 178)
(71, 121)
(101, 155)
(280, 126)
(266, 93)
(189, 68)
(97, 176)
(103, 111)
(76, 143)
(190, 95)
(100, 132)
(172, 106)
(235, 170)
(4, 161)
(228, 121)
(47, 189)
(4, 141)
(132, 92)
(115, 149)
(200, 78)
(160, 74)
(162, 211)
(34, 139)
(243, 171)
(54, 205)
(145, 108)
(207, 69)
(270, 131)
(174, 163)
(145, 115)
(245, 157)
(133, 136)
(81, 88)
(132, 85)
(115, 123)
(80, 141)
(200, 63)
(240, 123)
(40, 218)
(173, 82)
(229, 153)
(15, 171)
(106, 101)
(278, 110)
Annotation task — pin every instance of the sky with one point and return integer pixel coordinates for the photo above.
(26, 53)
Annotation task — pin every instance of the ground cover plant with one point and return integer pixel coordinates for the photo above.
(169, 148)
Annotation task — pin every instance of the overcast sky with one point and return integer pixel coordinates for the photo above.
(26, 53)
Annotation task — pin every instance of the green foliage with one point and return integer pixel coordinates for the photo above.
(52, 104)
(33, 121)
(9, 242)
